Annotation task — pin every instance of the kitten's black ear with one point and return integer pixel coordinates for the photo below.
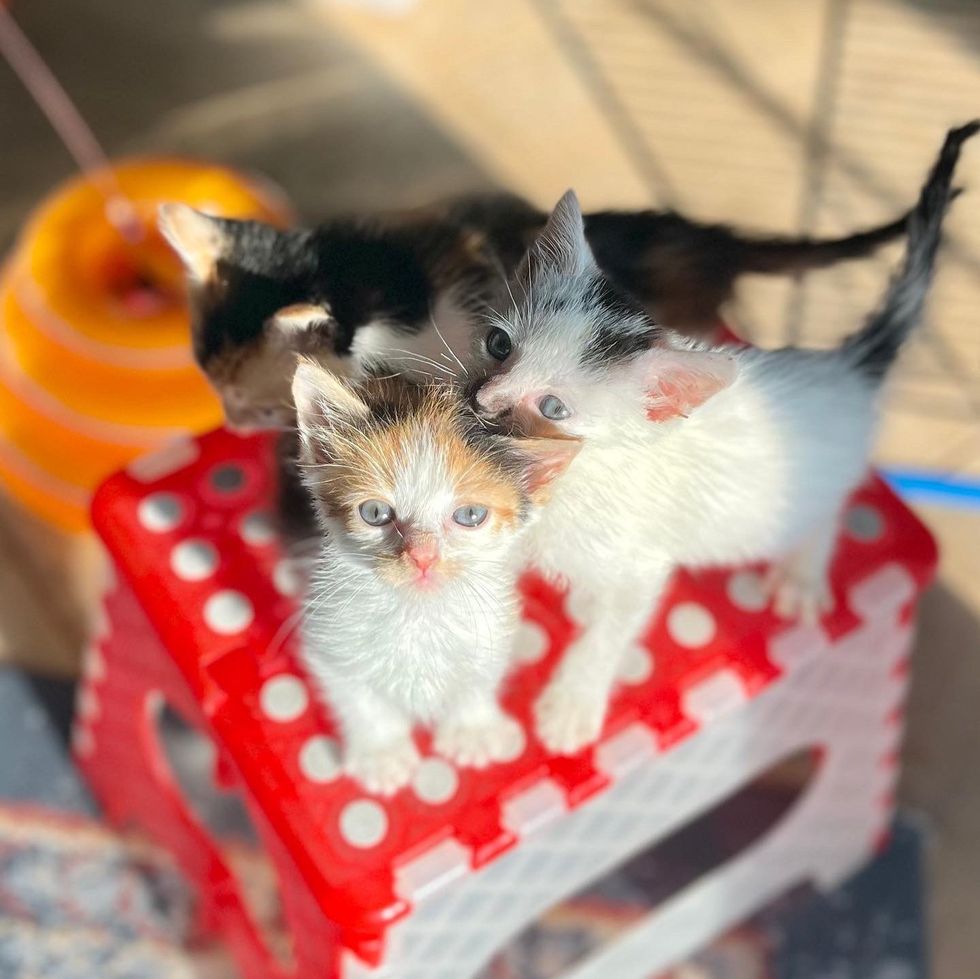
(303, 327)
(199, 240)
(322, 400)
(545, 460)
(561, 245)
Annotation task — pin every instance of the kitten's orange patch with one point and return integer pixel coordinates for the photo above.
(363, 458)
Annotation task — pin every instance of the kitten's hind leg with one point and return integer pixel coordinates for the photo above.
(799, 584)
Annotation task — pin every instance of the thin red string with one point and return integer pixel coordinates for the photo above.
(67, 122)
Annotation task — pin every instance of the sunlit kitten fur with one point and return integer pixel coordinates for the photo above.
(412, 606)
(691, 455)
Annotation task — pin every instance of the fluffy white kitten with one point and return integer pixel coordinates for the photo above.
(691, 455)
(412, 606)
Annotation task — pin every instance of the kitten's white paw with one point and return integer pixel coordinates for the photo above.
(795, 595)
(566, 720)
(476, 745)
(384, 768)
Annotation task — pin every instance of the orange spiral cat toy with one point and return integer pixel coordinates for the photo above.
(95, 358)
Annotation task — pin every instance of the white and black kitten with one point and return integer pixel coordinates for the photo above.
(691, 455)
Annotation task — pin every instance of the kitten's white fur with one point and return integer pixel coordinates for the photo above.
(388, 656)
(758, 468)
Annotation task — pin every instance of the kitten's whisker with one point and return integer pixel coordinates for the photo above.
(421, 358)
(452, 352)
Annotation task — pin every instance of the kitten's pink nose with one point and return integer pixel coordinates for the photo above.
(423, 554)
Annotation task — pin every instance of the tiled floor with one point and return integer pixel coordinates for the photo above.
(804, 117)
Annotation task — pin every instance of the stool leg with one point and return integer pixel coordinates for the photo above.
(118, 747)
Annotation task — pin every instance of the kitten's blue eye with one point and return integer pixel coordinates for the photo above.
(471, 515)
(499, 344)
(553, 408)
(376, 513)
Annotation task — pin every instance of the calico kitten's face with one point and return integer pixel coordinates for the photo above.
(575, 357)
(410, 486)
(250, 311)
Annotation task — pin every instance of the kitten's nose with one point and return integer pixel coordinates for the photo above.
(423, 554)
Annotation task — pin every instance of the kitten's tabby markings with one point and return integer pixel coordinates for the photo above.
(691, 455)
(413, 606)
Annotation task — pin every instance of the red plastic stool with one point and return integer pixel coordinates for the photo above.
(429, 884)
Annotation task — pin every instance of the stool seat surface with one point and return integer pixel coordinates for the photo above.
(191, 531)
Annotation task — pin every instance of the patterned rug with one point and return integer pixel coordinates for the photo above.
(80, 902)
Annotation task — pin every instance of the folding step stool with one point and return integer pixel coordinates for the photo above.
(429, 884)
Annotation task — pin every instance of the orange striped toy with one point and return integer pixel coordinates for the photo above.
(95, 358)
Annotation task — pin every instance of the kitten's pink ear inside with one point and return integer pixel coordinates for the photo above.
(197, 239)
(547, 459)
(678, 381)
(322, 400)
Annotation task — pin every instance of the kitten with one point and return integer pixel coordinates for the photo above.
(691, 455)
(398, 290)
(413, 603)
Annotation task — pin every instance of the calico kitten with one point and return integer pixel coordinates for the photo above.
(691, 455)
(398, 290)
(412, 605)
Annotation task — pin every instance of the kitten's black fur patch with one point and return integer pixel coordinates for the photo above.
(875, 347)
(684, 271)
(396, 269)
(263, 270)
(610, 342)
(371, 273)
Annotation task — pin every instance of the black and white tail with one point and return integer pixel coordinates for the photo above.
(875, 347)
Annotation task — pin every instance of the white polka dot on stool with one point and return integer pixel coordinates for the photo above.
(160, 512)
(194, 560)
(257, 529)
(82, 740)
(228, 612)
(94, 664)
(864, 523)
(435, 781)
(283, 698)
(319, 759)
(228, 478)
(87, 705)
(530, 643)
(286, 579)
(637, 665)
(363, 823)
(745, 591)
(691, 624)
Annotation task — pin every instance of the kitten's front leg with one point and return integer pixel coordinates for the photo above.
(570, 713)
(378, 748)
(476, 732)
